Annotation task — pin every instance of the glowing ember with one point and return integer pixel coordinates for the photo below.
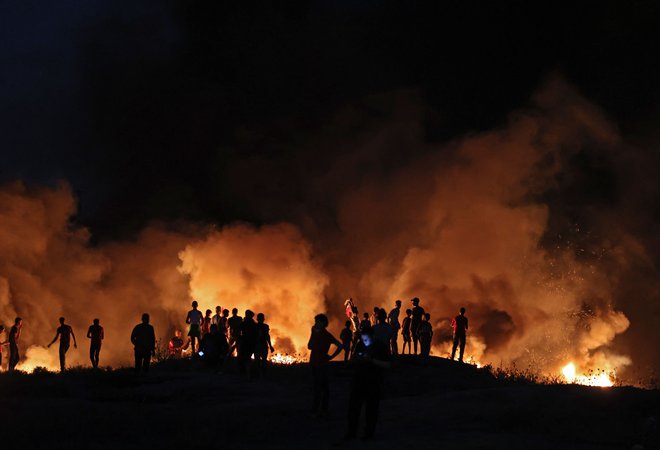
(601, 379)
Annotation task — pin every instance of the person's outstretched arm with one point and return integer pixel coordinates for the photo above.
(269, 343)
(57, 335)
(75, 344)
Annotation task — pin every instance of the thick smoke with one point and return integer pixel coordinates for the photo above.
(497, 222)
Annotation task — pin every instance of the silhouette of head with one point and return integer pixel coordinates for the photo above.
(96, 321)
(249, 314)
(366, 315)
(145, 318)
(194, 304)
(261, 317)
(427, 316)
(408, 312)
(415, 301)
(347, 324)
(234, 311)
(208, 312)
(225, 312)
(18, 321)
(62, 320)
(381, 316)
(218, 310)
(354, 309)
(376, 309)
(398, 303)
(462, 311)
(321, 320)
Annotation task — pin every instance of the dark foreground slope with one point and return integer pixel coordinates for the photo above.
(445, 405)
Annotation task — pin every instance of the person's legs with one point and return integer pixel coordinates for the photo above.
(354, 409)
(63, 350)
(462, 342)
(146, 360)
(97, 355)
(453, 347)
(14, 357)
(371, 411)
(395, 345)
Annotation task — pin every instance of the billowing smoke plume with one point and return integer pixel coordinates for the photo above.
(484, 222)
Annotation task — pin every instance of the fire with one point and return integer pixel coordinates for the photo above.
(600, 379)
(279, 358)
(37, 356)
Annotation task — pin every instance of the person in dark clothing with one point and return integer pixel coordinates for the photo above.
(460, 326)
(365, 322)
(95, 333)
(234, 324)
(14, 334)
(383, 330)
(405, 331)
(319, 343)
(263, 344)
(369, 359)
(247, 341)
(346, 338)
(144, 342)
(2, 344)
(213, 347)
(393, 320)
(64, 333)
(425, 333)
(417, 314)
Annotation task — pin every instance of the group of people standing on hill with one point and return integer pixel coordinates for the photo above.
(215, 338)
(369, 344)
(64, 333)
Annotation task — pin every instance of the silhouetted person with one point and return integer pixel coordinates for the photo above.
(425, 333)
(346, 338)
(417, 314)
(234, 324)
(319, 343)
(175, 346)
(144, 342)
(14, 334)
(355, 325)
(393, 320)
(365, 322)
(247, 342)
(223, 326)
(374, 316)
(405, 331)
(369, 359)
(217, 317)
(2, 343)
(213, 347)
(206, 323)
(195, 320)
(382, 330)
(460, 326)
(95, 333)
(263, 344)
(64, 333)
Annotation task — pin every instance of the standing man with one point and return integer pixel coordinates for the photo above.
(234, 324)
(460, 326)
(369, 359)
(2, 344)
(64, 333)
(319, 344)
(425, 333)
(95, 333)
(217, 317)
(14, 334)
(393, 319)
(144, 342)
(195, 319)
(416, 320)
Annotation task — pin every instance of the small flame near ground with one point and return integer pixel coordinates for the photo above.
(599, 378)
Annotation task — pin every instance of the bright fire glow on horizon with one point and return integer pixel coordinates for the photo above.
(600, 379)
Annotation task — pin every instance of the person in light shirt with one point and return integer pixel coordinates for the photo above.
(195, 319)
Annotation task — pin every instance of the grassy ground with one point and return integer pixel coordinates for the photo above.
(444, 405)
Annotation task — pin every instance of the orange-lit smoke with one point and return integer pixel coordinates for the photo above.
(462, 224)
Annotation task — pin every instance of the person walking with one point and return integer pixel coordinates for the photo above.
(64, 333)
(96, 336)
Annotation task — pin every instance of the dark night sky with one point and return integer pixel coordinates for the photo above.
(147, 108)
